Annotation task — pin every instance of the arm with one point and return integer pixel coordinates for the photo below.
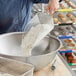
(52, 5)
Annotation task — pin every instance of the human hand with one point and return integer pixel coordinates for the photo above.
(52, 6)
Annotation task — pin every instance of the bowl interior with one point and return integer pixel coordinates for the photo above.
(10, 45)
(46, 45)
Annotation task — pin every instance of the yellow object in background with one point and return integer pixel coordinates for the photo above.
(66, 10)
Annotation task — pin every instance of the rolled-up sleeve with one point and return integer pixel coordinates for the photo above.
(40, 1)
(60, 0)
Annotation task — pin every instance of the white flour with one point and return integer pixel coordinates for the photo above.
(33, 37)
(29, 39)
(5, 74)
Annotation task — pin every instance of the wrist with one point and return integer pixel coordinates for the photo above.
(54, 0)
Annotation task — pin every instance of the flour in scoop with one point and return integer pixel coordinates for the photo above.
(29, 39)
(5, 74)
(33, 37)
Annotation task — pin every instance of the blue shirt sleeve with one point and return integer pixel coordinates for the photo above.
(40, 1)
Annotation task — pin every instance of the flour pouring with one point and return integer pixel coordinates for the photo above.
(36, 33)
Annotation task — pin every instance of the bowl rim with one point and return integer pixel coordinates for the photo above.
(6, 34)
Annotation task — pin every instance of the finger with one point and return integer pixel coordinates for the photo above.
(47, 9)
(51, 11)
(58, 5)
(55, 9)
